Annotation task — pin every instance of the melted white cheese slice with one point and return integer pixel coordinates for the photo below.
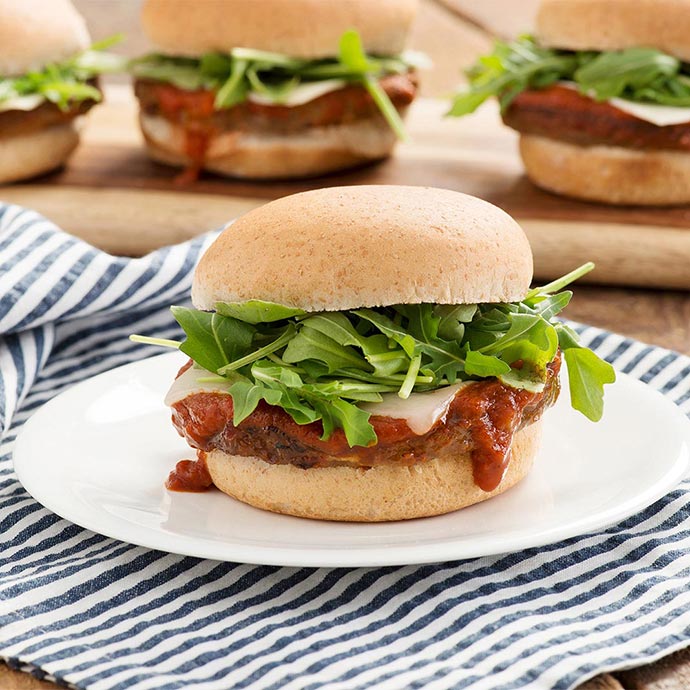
(304, 93)
(188, 383)
(420, 411)
(659, 115)
(22, 102)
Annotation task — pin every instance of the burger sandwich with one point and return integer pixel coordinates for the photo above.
(274, 89)
(600, 97)
(371, 353)
(48, 81)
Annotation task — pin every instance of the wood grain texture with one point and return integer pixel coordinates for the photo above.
(603, 682)
(656, 317)
(131, 222)
(670, 673)
(16, 680)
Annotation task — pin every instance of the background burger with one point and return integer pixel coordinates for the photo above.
(601, 98)
(274, 88)
(372, 353)
(47, 80)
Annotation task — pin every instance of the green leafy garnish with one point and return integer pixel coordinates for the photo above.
(318, 367)
(643, 75)
(587, 374)
(64, 83)
(233, 76)
(213, 340)
(256, 311)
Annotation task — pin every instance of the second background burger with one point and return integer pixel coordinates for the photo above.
(274, 89)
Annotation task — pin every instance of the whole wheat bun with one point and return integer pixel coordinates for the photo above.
(613, 175)
(364, 246)
(376, 494)
(300, 28)
(36, 32)
(245, 155)
(616, 24)
(37, 152)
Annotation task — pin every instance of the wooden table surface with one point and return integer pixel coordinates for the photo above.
(661, 317)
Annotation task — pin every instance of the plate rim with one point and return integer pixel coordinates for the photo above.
(359, 556)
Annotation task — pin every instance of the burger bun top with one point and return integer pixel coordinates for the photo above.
(308, 29)
(34, 33)
(366, 246)
(616, 24)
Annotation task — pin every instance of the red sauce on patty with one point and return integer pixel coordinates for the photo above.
(562, 113)
(195, 112)
(481, 420)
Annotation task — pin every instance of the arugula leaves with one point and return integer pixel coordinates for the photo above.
(233, 76)
(64, 83)
(643, 75)
(587, 374)
(317, 367)
(213, 340)
(254, 311)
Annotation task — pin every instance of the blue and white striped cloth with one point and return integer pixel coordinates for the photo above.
(95, 613)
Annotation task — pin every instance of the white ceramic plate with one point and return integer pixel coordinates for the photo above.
(111, 445)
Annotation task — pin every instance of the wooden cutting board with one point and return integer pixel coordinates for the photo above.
(112, 195)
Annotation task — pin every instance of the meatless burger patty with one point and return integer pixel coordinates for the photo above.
(18, 122)
(482, 419)
(196, 108)
(562, 113)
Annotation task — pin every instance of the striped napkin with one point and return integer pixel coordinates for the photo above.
(95, 613)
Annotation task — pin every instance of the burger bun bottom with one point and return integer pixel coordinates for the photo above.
(34, 153)
(609, 174)
(376, 494)
(266, 156)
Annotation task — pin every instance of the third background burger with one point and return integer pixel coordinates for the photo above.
(600, 97)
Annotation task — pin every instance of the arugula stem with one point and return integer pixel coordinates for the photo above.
(560, 283)
(146, 340)
(410, 378)
(231, 92)
(395, 379)
(109, 42)
(258, 354)
(386, 356)
(388, 110)
(281, 362)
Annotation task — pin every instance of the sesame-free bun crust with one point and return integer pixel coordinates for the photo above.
(35, 153)
(247, 155)
(613, 175)
(616, 24)
(299, 28)
(377, 494)
(365, 246)
(36, 32)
